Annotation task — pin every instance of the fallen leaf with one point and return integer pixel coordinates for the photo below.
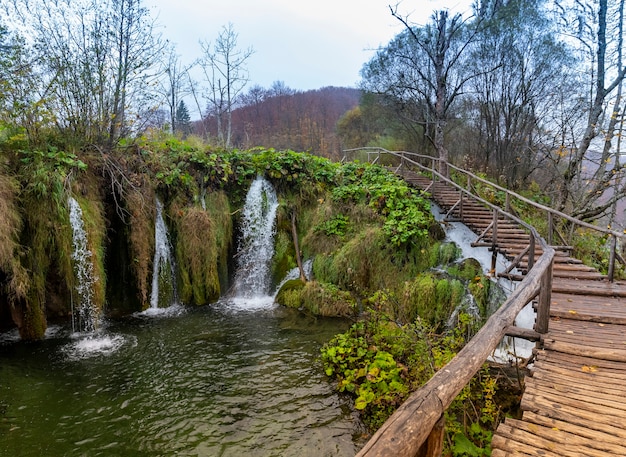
(570, 332)
(556, 429)
(570, 300)
(571, 311)
(600, 325)
(590, 368)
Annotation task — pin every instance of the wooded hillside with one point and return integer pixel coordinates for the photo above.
(301, 121)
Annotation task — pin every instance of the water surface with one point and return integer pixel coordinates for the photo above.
(211, 381)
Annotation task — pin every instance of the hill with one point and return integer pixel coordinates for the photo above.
(287, 119)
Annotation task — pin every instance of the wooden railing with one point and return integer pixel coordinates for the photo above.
(416, 428)
(431, 165)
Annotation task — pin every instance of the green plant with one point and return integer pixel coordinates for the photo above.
(337, 226)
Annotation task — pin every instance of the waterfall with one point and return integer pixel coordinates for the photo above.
(163, 270)
(256, 244)
(88, 314)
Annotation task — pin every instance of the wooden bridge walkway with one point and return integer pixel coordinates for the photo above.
(574, 402)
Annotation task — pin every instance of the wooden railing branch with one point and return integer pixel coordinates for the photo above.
(410, 425)
(415, 158)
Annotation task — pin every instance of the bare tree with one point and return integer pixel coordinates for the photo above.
(511, 108)
(174, 85)
(95, 61)
(225, 71)
(426, 64)
(592, 178)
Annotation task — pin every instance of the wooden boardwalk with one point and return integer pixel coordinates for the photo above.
(574, 402)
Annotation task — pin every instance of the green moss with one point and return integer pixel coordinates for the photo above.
(290, 294)
(327, 300)
(320, 299)
(202, 242)
(284, 256)
(448, 253)
(219, 209)
(431, 299)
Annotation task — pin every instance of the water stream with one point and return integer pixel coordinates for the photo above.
(256, 245)
(87, 316)
(211, 381)
(163, 292)
(463, 237)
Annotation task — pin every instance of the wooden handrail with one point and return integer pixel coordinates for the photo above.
(551, 212)
(413, 427)
(410, 425)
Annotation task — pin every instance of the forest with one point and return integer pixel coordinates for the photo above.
(94, 112)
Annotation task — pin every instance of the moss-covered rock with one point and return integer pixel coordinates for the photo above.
(317, 298)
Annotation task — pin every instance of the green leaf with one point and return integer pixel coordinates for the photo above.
(464, 447)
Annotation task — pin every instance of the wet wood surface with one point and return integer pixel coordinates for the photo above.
(574, 403)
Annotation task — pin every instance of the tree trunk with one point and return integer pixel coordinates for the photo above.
(296, 245)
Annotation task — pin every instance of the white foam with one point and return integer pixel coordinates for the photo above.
(250, 303)
(173, 310)
(95, 344)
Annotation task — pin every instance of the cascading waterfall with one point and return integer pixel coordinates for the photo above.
(163, 270)
(256, 245)
(88, 314)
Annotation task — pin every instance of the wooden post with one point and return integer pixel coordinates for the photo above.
(611, 271)
(433, 446)
(543, 304)
(550, 227)
(494, 242)
(531, 252)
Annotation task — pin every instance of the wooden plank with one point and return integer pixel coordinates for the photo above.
(501, 453)
(576, 361)
(574, 418)
(590, 444)
(526, 438)
(597, 288)
(578, 349)
(579, 412)
(599, 435)
(597, 334)
(576, 393)
(593, 386)
(584, 375)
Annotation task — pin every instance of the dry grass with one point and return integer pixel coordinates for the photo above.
(140, 204)
(203, 239)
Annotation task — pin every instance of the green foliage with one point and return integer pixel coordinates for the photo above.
(406, 214)
(366, 362)
(46, 172)
(336, 226)
(380, 362)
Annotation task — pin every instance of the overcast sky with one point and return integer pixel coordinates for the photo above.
(307, 44)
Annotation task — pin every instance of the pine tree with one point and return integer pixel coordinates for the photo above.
(183, 120)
